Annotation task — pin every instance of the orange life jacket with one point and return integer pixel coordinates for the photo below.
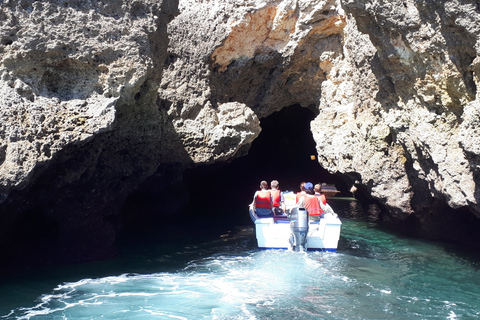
(263, 199)
(276, 197)
(322, 198)
(312, 205)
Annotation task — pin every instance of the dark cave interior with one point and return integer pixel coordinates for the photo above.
(218, 195)
(281, 152)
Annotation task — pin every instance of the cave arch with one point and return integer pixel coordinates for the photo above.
(283, 151)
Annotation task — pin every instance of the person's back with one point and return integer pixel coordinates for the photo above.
(318, 193)
(312, 205)
(276, 197)
(278, 206)
(262, 200)
(311, 202)
(302, 191)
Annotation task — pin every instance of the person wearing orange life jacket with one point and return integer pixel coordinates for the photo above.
(262, 201)
(278, 204)
(318, 192)
(312, 203)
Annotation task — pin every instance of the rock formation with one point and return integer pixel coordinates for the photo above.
(98, 97)
(414, 106)
(83, 124)
(393, 82)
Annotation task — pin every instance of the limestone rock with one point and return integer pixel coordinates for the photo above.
(216, 135)
(98, 97)
(84, 124)
(425, 84)
(392, 81)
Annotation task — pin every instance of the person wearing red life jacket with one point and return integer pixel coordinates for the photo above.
(312, 203)
(318, 193)
(262, 201)
(278, 204)
(302, 191)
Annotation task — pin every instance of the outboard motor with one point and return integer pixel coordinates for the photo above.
(299, 228)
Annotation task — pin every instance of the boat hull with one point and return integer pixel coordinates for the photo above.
(274, 233)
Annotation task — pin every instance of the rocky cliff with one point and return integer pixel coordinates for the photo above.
(394, 84)
(99, 97)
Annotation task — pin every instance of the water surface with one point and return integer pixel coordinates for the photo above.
(221, 275)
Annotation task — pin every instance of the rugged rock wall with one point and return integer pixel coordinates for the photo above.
(414, 111)
(97, 97)
(394, 84)
(83, 125)
(412, 108)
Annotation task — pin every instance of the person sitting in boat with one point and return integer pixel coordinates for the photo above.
(278, 203)
(318, 193)
(262, 201)
(323, 201)
(302, 191)
(311, 202)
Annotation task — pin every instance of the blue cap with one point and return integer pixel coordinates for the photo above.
(309, 186)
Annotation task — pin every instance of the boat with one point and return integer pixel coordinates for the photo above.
(329, 190)
(294, 231)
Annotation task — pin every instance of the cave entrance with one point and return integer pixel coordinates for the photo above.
(283, 151)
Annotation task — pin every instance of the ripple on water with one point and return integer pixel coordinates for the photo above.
(375, 275)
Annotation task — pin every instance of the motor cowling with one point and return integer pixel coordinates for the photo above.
(299, 228)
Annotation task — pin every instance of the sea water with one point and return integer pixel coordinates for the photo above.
(373, 275)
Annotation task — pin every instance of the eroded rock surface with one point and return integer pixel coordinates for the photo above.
(97, 97)
(422, 92)
(394, 83)
(83, 125)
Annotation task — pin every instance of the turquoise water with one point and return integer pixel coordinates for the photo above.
(374, 275)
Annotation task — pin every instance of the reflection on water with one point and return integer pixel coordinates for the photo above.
(374, 275)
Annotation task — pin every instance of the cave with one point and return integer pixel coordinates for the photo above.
(198, 201)
(283, 151)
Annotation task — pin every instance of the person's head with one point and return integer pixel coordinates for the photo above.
(264, 185)
(302, 186)
(309, 188)
(317, 188)
(274, 184)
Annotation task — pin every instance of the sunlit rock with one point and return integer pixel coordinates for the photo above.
(98, 97)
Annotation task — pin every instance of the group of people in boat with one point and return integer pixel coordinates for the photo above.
(270, 202)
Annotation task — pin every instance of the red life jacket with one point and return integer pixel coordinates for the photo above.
(276, 197)
(263, 199)
(299, 194)
(322, 198)
(312, 205)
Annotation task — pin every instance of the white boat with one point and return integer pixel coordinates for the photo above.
(295, 232)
